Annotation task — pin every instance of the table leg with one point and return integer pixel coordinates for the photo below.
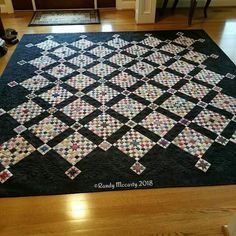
(206, 8)
(191, 12)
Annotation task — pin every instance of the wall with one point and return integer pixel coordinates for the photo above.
(2, 2)
(123, 4)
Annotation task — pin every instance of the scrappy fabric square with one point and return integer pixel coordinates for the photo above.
(124, 80)
(104, 125)
(74, 148)
(35, 83)
(128, 107)
(182, 67)
(195, 90)
(149, 92)
(196, 57)
(225, 102)
(209, 77)
(158, 123)
(55, 95)
(186, 41)
(74, 111)
(103, 94)
(193, 142)
(80, 81)
(134, 144)
(212, 121)
(14, 150)
(171, 48)
(178, 105)
(48, 128)
(26, 111)
(166, 78)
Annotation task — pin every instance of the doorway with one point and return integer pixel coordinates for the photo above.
(62, 4)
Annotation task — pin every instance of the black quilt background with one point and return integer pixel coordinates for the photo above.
(171, 167)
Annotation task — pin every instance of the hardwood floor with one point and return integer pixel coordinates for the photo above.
(160, 212)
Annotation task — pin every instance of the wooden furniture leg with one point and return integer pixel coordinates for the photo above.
(2, 31)
(206, 8)
(175, 5)
(191, 12)
(165, 2)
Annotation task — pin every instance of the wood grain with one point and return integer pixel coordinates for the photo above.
(161, 212)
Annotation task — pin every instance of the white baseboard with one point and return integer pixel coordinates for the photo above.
(122, 4)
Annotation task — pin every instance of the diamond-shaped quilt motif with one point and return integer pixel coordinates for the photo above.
(158, 58)
(81, 60)
(63, 52)
(82, 44)
(80, 81)
(171, 48)
(74, 111)
(48, 128)
(120, 59)
(104, 125)
(158, 123)
(26, 111)
(100, 51)
(117, 43)
(14, 150)
(225, 102)
(142, 68)
(193, 142)
(149, 92)
(209, 77)
(47, 45)
(194, 90)
(136, 50)
(196, 57)
(103, 93)
(42, 62)
(55, 95)
(74, 148)
(5, 175)
(102, 70)
(178, 105)
(60, 71)
(167, 79)
(124, 80)
(182, 67)
(134, 144)
(35, 83)
(186, 41)
(128, 107)
(212, 121)
(151, 41)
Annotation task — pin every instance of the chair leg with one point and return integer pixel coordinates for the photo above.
(175, 5)
(191, 12)
(206, 8)
(164, 5)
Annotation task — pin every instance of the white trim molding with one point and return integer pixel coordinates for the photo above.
(9, 6)
(145, 11)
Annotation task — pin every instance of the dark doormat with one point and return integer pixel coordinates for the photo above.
(66, 17)
(113, 111)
